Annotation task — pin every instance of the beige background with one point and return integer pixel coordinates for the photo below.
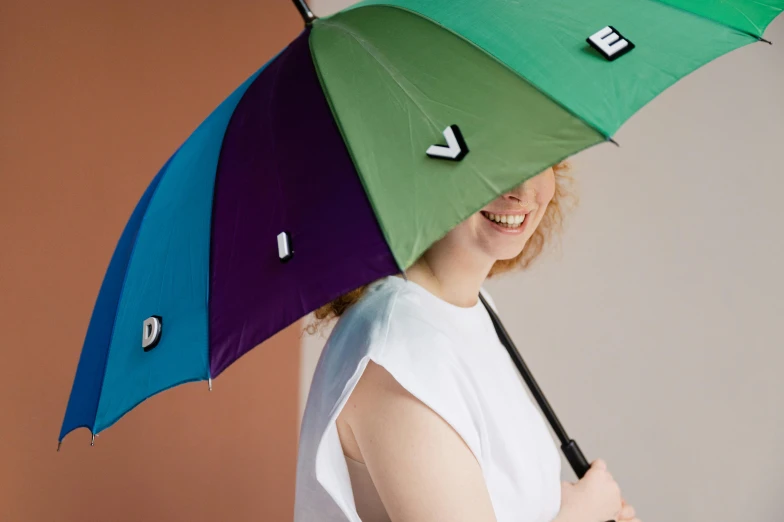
(656, 329)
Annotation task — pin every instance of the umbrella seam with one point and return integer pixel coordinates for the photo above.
(345, 29)
(561, 104)
(210, 259)
(122, 293)
(760, 29)
(346, 142)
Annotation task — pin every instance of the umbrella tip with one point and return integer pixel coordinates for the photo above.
(305, 12)
(59, 443)
(766, 41)
(613, 142)
(209, 383)
(92, 441)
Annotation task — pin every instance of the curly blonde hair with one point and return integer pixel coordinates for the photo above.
(549, 226)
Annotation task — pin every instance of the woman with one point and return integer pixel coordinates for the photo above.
(416, 413)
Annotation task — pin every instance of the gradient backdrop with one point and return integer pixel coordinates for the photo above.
(655, 330)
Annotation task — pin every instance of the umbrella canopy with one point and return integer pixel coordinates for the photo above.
(354, 149)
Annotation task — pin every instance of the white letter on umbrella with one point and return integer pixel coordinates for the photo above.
(456, 149)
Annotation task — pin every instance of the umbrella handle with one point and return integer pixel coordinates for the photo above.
(576, 458)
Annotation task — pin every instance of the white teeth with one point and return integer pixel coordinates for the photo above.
(512, 221)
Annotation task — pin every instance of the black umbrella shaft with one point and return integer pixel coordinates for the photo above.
(305, 11)
(569, 447)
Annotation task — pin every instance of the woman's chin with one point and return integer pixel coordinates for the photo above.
(506, 252)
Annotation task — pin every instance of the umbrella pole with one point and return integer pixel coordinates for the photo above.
(305, 12)
(569, 447)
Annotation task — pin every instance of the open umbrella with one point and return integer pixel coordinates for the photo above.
(355, 148)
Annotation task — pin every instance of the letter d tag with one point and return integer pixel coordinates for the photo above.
(151, 332)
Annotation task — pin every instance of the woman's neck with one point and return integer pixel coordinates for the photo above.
(450, 279)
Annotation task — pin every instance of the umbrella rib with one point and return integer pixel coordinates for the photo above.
(757, 36)
(121, 296)
(759, 29)
(391, 71)
(500, 62)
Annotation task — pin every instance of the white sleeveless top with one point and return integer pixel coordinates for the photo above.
(451, 359)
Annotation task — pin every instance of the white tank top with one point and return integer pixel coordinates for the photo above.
(451, 359)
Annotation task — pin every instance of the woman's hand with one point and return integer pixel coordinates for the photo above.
(627, 513)
(595, 498)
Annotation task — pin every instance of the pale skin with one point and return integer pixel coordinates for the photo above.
(421, 468)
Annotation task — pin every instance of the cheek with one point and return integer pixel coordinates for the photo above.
(466, 229)
(545, 193)
(543, 199)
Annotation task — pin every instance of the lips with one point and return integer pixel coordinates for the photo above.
(503, 227)
(510, 217)
(515, 212)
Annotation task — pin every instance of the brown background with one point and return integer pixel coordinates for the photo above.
(94, 97)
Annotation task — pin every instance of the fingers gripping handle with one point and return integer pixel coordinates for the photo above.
(576, 459)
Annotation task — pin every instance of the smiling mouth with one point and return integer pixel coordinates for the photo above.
(510, 221)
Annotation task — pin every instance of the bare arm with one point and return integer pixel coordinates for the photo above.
(421, 466)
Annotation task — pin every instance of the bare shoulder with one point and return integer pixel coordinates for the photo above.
(421, 467)
(369, 391)
(375, 386)
(376, 392)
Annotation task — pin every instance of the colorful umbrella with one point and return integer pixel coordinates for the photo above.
(355, 148)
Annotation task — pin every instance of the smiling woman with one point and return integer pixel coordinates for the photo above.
(550, 223)
(414, 389)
